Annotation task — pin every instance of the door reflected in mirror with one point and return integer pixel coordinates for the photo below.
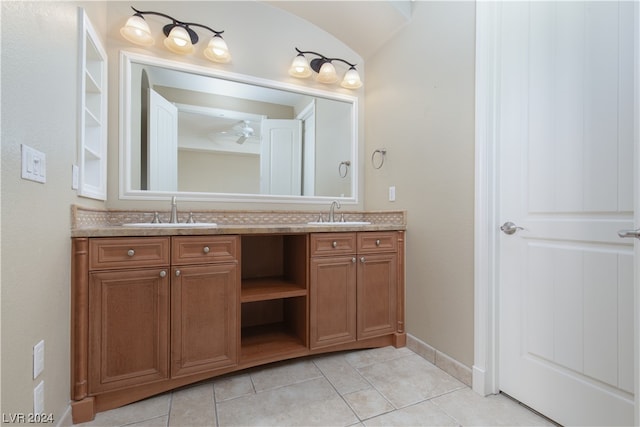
(188, 130)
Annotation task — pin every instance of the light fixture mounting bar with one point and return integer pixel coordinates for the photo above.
(317, 63)
(167, 28)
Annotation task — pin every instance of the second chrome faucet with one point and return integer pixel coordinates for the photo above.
(335, 204)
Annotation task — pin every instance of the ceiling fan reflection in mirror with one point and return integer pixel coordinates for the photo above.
(243, 130)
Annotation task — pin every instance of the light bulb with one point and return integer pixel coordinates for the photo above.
(300, 67)
(178, 40)
(351, 79)
(136, 30)
(327, 73)
(217, 50)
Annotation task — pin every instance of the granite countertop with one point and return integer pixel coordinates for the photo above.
(120, 231)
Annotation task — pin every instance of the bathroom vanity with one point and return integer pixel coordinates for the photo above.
(155, 309)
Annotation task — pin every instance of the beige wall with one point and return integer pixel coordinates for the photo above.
(420, 107)
(39, 57)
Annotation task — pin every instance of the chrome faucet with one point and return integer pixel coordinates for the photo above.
(334, 204)
(174, 210)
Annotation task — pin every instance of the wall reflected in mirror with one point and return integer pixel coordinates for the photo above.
(196, 133)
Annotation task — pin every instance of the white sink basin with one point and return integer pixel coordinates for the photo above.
(171, 225)
(345, 223)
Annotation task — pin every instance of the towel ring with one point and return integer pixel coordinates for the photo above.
(383, 153)
(346, 165)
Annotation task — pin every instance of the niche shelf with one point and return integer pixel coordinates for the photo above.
(92, 112)
(274, 296)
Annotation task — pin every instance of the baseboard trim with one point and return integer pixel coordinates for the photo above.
(479, 382)
(65, 420)
(442, 360)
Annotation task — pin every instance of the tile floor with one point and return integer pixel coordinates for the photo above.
(377, 387)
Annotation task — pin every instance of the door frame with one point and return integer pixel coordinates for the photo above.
(485, 371)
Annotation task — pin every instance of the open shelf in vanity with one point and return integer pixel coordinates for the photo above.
(274, 296)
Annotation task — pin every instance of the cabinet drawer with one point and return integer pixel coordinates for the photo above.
(119, 252)
(204, 249)
(332, 243)
(377, 242)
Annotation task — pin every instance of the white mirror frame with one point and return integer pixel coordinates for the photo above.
(125, 178)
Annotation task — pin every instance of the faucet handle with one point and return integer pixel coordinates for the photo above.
(156, 218)
(190, 220)
(342, 217)
(320, 219)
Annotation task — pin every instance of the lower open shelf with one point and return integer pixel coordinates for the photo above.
(265, 341)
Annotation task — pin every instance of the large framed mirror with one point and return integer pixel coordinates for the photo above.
(205, 134)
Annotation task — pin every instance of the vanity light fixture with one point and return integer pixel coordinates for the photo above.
(325, 69)
(180, 36)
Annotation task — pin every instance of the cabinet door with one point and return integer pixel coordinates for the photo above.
(377, 294)
(204, 306)
(332, 305)
(129, 328)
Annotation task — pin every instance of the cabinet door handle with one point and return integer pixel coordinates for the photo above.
(353, 260)
(178, 272)
(378, 242)
(363, 260)
(131, 252)
(334, 244)
(206, 249)
(163, 273)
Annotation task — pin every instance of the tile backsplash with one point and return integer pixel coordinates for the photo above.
(82, 217)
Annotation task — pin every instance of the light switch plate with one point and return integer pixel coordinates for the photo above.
(34, 164)
(392, 193)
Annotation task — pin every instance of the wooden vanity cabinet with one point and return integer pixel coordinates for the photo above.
(377, 284)
(332, 287)
(354, 287)
(204, 304)
(128, 308)
(150, 314)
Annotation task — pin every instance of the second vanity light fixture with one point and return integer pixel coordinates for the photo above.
(180, 37)
(322, 65)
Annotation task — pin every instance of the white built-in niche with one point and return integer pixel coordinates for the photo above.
(92, 112)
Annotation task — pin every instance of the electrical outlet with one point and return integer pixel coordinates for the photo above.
(34, 164)
(38, 398)
(38, 359)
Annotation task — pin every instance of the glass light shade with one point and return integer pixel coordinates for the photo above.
(178, 41)
(300, 67)
(136, 30)
(327, 73)
(217, 50)
(351, 79)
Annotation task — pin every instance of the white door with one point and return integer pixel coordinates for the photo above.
(308, 119)
(281, 157)
(566, 130)
(162, 149)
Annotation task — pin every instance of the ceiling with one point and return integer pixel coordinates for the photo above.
(364, 26)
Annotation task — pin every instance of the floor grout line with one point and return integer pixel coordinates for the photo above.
(347, 375)
(336, 390)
